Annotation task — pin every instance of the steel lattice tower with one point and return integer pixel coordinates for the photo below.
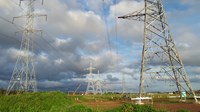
(23, 77)
(160, 57)
(123, 84)
(98, 84)
(90, 80)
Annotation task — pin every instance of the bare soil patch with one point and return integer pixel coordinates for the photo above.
(178, 106)
(172, 107)
(103, 105)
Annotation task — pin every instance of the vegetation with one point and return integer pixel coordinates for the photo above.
(183, 111)
(37, 102)
(60, 102)
(135, 108)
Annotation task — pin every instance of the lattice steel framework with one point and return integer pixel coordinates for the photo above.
(90, 80)
(160, 57)
(23, 77)
(98, 84)
(123, 84)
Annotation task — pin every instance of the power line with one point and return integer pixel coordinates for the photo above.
(116, 30)
(60, 53)
(160, 56)
(23, 78)
(10, 38)
(17, 4)
(107, 32)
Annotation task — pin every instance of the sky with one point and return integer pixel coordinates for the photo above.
(78, 32)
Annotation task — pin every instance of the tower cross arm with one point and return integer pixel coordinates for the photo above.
(137, 15)
(41, 15)
(90, 68)
(28, 0)
(34, 15)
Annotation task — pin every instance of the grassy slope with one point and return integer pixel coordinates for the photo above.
(59, 102)
(39, 102)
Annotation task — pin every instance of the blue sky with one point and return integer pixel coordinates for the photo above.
(76, 33)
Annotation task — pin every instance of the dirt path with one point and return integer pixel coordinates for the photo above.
(172, 107)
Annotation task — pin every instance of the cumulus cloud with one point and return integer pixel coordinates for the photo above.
(187, 43)
(111, 78)
(75, 34)
(128, 30)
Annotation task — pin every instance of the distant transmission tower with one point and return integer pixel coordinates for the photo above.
(23, 77)
(160, 56)
(90, 80)
(123, 84)
(98, 84)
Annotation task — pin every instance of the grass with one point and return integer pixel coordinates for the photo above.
(35, 102)
(135, 108)
(60, 102)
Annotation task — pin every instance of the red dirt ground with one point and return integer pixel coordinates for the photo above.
(103, 105)
(106, 105)
(179, 106)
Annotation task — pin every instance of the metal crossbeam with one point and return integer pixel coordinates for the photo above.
(157, 33)
(23, 77)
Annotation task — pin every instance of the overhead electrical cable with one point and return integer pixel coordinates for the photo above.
(107, 31)
(48, 43)
(116, 32)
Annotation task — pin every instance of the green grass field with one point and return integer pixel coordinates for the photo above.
(39, 102)
(61, 102)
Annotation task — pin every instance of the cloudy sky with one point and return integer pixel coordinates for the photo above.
(78, 32)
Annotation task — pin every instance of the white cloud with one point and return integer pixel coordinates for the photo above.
(60, 42)
(15, 53)
(42, 58)
(195, 70)
(58, 61)
(74, 31)
(75, 23)
(125, 7)
(5, 4)
(190, 2)
(187, 43)
(129, 30)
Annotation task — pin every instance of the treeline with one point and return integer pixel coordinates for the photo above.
(2, 91)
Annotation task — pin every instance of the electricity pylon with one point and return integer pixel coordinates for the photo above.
(123, 84)
(23, 77)
(90, 81)
(160, 56)
(98, 84)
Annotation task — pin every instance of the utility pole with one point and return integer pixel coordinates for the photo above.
(90, 80)
(23, 77)
(159, 49)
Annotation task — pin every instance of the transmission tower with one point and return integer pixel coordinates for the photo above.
(160, 56)
(123, 84)
(90, 80)
(23, 77)
(98, 84)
